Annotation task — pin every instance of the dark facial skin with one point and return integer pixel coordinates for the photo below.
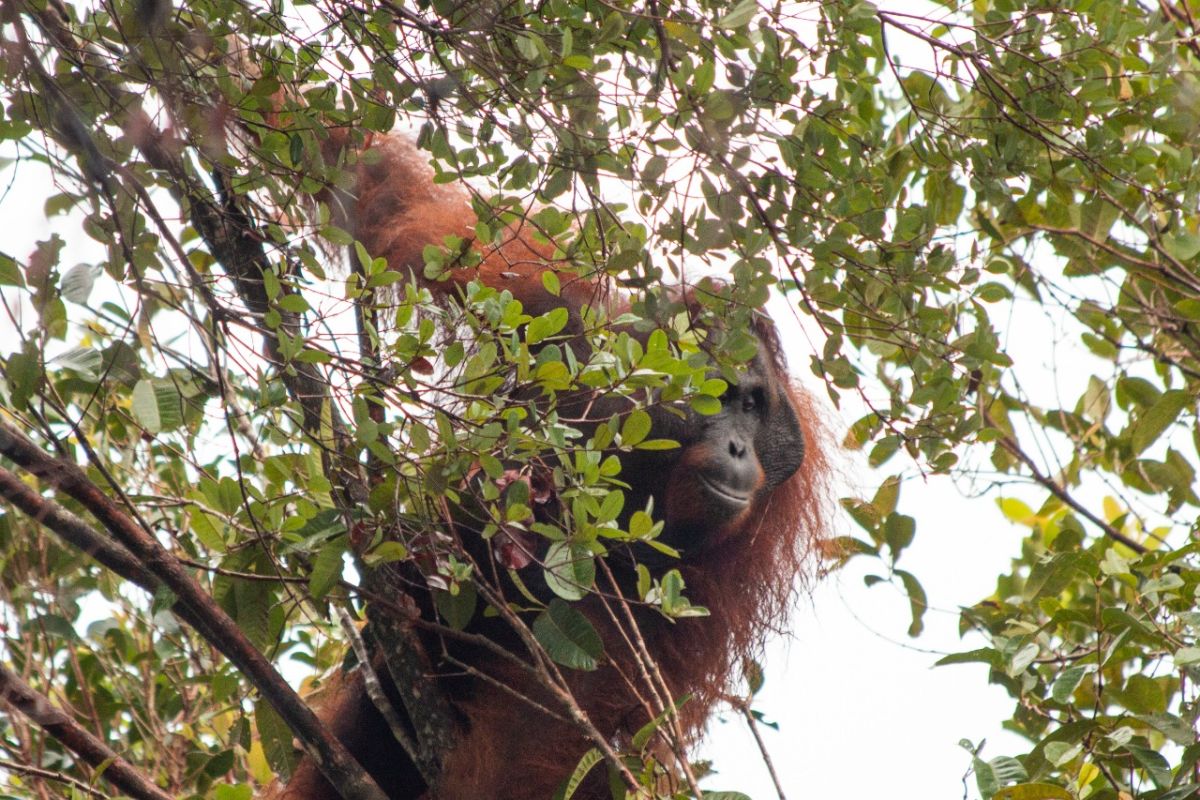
(726, 462)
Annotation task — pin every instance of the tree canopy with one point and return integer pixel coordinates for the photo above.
(207, 410)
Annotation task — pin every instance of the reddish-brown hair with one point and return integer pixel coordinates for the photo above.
(746, 576)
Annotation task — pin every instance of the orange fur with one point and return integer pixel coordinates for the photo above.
(746, 576)
(396, 210)
(747, 580)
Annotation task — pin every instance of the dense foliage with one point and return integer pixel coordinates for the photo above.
(924, 187)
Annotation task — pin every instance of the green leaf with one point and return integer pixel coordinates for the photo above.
(645, 733)
(985, 778)
(157, 405)
(570, 570)
(456, 607)
(87, 361)
(755, 677)
(170, 404)
(567, 636)
(1015, 511)
(1008, 769)
(144, 405)
(1061, 753)
(225, 791)
(917, 602)
(590, 759)
(883, 450)
(1153, 421)
(865, 514)
(1096, 401)
(1142, 695)
(1189, 309)
(898, 532)
(276, 737)
(640, 524)
(610, 506)
(657, 444)
(1119, 619)
(1067, 681)
(10, 272)
(739, 15)
(654, 169)
(546, 325)
(1183, 246)
(553, 376)
(219, 765)
(705, 405)
(294, 303)
(1049, 577)
(1182, 792)
(254, 600)
(24, 375)
(1176, 729)
(887, 495)
(327, 567)
(387, 552)
(207, 529)
(635, 427)
(1186, 656)
(1022, 659)
(669, 596)
(614, 26)
(846, 547)
(1153, 762)
(77, 283)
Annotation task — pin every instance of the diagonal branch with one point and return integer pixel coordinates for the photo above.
(87, 539)
(216, 626)
(1014, 449)
(59, 724)
(231, 234)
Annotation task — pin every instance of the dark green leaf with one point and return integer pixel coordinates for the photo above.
(457, 608)
(568, 637)
(1156, 419)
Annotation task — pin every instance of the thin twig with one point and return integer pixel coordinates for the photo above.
(744, 709)
(215, 624)
(375, 689)
(54, 721)
(1010, 445)
(51, 775)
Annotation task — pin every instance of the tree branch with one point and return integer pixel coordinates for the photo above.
(51, 775)
(376, 693)
(328, 753)
(87, 539)
(57, 723)
(408, 664)
(1014, 449)
(231, 236)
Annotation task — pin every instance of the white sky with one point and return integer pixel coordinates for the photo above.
(861, 709)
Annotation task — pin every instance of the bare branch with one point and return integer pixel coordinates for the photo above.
(37, 707)
(215, 625)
